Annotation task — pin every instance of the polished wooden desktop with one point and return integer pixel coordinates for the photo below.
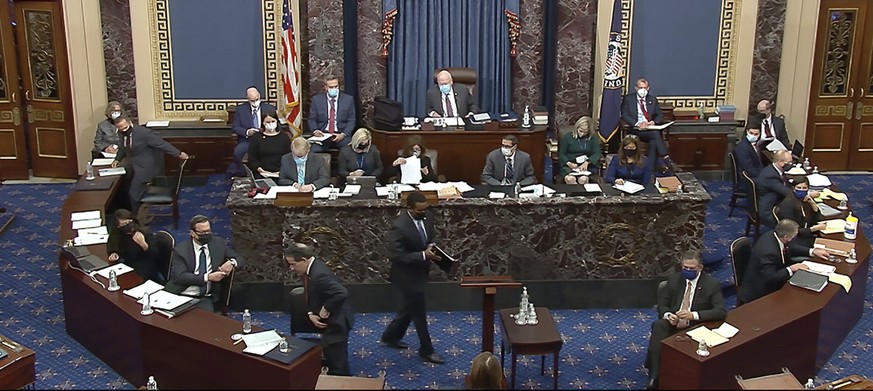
(193, 350)
(18, 369)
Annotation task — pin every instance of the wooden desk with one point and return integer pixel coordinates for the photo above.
(184, 352)
(212, 143)
(18, 369)
(540, 339)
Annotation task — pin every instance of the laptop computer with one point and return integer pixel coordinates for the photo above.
(259, 183)
(81, 258)
(367, 181)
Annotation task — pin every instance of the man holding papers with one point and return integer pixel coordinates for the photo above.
(332, 114)
(689, 297)
(642, 112)
(772, 128)
(327, 301)
(303, 170)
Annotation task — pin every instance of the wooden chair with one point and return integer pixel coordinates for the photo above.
(737, 192)
(754, 218)
(163, 195)
(165, 243)
(223, 303)
(741, 251)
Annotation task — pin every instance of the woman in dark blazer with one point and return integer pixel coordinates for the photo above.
(135, 246)
(106, 138)
(581, 141)
(267, 147)
(360, 157)
(802, 209)
(629, 164)
(415, 147)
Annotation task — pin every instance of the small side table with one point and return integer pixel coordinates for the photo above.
(540, 339)
(18, 369)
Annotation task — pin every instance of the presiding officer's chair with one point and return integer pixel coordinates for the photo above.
(465, 76)
(741, 251)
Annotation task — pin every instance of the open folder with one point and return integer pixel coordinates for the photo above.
(446, 262)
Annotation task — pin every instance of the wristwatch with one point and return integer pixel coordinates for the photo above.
(310, 313)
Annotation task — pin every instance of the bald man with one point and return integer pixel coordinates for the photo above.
(772, 127)
(447, 99)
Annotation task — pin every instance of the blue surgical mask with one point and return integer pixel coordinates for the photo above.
(752, 138)
(445, 88)
(800, 194)
(300, 160)
(333, 92)
(689, 274)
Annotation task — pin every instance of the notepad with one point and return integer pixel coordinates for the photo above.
(140, 290)
(592, 188)
(629, 187)
(834, 226)
(119, 268)
(89, 215)
(262, 342)
(702, 333)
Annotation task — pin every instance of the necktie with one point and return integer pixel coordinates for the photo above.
(421, 231)
(449, 111)
(686, 306)
(643, 109)
(127, 141)
(202, 268)
(305, 279)
(767, 133)
(301, 173)
(510, 171)
(255, 119)
(331, 119)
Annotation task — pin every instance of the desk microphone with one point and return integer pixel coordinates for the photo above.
(91, 276)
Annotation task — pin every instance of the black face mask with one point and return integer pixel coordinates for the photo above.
(362, 147)
(204, 238)
(418, 215)
(128, 228)
(630, 152)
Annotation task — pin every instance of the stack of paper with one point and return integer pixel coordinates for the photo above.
(108, 155)
(777, 145)
(271, 194)
(119, 269)
(163, 300)
(830, 271)
(629, 187)
(352, 189)
(261, 343)
(111, 171)
(834, 226)
(90, 228)
(140, 290)
(818, 180)
(713, 337)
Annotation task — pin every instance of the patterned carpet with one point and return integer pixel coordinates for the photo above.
(604, 348)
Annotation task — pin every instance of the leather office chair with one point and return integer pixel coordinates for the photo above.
(163, 193)
(465, 76)
(662, 286)
(165, 243)
(741, 251)
(299, 320)
(737, 192)
(754, 217)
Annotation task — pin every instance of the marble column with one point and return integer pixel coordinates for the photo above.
(527, 67)
(769, 31)
(574, 78)
(118, 54)
(372, 68)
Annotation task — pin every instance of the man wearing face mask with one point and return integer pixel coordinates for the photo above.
(641, 110)
(772, 186)
(689, 297)
(106, 139)
(447, 99)
(201, 263)
(332, 112)
(507, 165)
(774, 259)
(138, 146)
(746, 152)
(302, 169)
(134, 245)
(772, 127)
(246, 123)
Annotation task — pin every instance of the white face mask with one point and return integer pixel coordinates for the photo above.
(270, 126)
(115, 114)
(256, 103)
(506, 151)
(642, 92)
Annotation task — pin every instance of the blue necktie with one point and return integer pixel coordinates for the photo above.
(255, 119)
(202, 268)
(301, 173)
(421, 231)
(510, 172)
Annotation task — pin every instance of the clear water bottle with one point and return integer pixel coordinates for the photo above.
(151, 384)
(392, 191)
(853, 256)
(806, 165)
(113, 281)
(89, 172)
(525, 118)
(283, 345)
(815, 170)
(247, 321)
(333, 195)
(810, 384)
(517, 190)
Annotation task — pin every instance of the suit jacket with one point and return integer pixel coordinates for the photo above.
(495, 168)
(317, 173)
(185, 262)
(141, 156)
(641, 175)
(771, 191)
(409, 268)
(767, 270)
(242, 119)
(630, 108)
(708, 300)
(348, 161)
(106, 135)
(748, 159)
(465, 101)
(779, 130)
(346, 118)
(325, 290)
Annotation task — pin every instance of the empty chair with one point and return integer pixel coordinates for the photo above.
(741, 251)
(163, 195)
(737, 191)
(754, 218)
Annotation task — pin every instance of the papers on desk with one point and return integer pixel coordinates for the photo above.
(578, 172)
(154, 123)
(820, 268)
(437, 186)
(271, 194)
(262, 342)
(102, 162)
(112, 171)
(90, 239)
(324, 136)
(90, 223)
(95, 231)
(89, 215)
(538, 190)
(828, 193)
(593, 188)
(481, 117)
(496, 195)
(713, 337)
(140, 290)
(268, 174)
(410, 172)
(108, 155)
(827, 211)
(352, 189)
(796, 170)
(659, 127)
(163, 300)
(777, 145)
(119, 268)
(818, 180)
(629, 187)
(841, 280)
(324, 192)
(834, 226)
(382, 191)
(830, 271)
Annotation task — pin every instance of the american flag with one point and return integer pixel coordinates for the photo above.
(290, 75)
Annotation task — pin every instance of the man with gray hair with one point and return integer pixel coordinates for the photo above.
(446, 99)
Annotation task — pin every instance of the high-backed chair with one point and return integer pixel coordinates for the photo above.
(465, 76)
(741, 251)
(299, 320)
(754, 217)
(775, 213)
(165, 243)
(737, 192)
(662, 286)
(163, 195)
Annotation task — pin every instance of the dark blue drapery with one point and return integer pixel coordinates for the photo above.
(449, 33)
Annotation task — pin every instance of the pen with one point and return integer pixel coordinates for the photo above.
(238, 341)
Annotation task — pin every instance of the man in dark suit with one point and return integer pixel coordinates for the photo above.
(641, 110)
(411, 252)
(447, 99)
(137, 154)
(507, 165)
(247, 122)
(200, 265)
(315, 172)
(689, 297)
(772, 127)
(746, 152)
(332, 112)
(774, 260)
(771, 186)
(329, 308)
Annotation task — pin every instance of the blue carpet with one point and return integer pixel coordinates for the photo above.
(604, 348)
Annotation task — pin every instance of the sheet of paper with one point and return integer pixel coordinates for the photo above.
(323, 137)
(140, 290)
(629, 187)
(834, 226)
(80, 224)
(89, 215)
(101, 230)
(382, 191)
(496, 195)
(432, 186)
(776, 145)
(820, 268)
(164, 300)
(410, 172)
(90, 239)
(108, 155)
(462, 186)
(352, 189)
(828, 193)
(538, 189)
(841, 280)
(270, 174)
(119, 268)
(112, 171)
(154, 123)
(324, 192)
(593, 187)
(704, 334)
(661, 126)
(271, 194)
(102, 162)
(581, 159)
(796, 170)
(726, 330)
(261, 343)
(818, 180)
(576, 172)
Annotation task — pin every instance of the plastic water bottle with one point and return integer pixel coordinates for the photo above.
(283, 345)
(517, 190)
(89, 172)
(810, 385)
(332, 196)
(392, 191)
(113, 281)
(525, 118)
(853, 257)
(247, 321)
(146, 305)
(850, 228)
(151, 384)
(815, 170)
(806, 165)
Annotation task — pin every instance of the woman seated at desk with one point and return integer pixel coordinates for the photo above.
(360, 157)
(415, 147)
(629, 164)
(802, 209)
(580, 142)
(106, 139)
(135, 246)
(267, 148)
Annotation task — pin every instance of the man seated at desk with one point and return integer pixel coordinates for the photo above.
(332, 112)
(641, 110)
(773, 188)
(772, 128)
(746, 153)
(303, 170)
(449, 100)
(507, 165)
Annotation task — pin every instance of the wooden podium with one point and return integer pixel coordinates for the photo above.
(489, 285)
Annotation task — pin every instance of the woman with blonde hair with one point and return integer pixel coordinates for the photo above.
(578, 152)
(629, 165)
(485, 373)
(360, 157)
